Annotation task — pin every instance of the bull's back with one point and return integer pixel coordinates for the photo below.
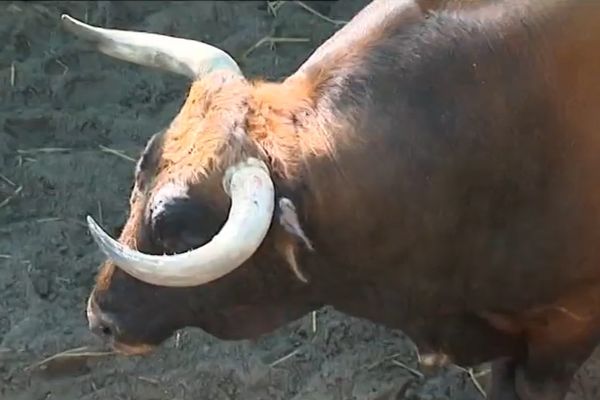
(476, 161)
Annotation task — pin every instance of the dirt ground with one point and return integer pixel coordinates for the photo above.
(62, 109)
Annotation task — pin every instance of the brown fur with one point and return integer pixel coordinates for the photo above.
(445, 167)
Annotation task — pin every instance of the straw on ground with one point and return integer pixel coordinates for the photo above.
(319, 15)
(473, 378)
(5, 179)
(284, 358)
(11, 196)
(272, 40)
(117, 153)
(45, 150)
(413, 371)
(274, 7)
(79, 352)
(13, 73)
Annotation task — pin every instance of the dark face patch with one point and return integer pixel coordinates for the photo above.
(177, 222)
(174, 218)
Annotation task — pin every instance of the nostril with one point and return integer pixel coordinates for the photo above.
(106, 331)
(101, 325)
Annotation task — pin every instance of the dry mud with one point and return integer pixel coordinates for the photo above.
(58, 96)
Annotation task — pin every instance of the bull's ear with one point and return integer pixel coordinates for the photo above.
(288, 219)
(294, 236)
(179, 223)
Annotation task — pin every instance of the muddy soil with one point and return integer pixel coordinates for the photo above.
(70, 121)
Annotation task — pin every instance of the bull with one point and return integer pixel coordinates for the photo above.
(433, 167)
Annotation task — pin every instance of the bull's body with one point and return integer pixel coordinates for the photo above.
(447, 172)
(467, 209)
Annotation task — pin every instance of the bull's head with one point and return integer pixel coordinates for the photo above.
(198, 248)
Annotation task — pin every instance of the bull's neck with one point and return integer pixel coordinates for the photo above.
(301, 136)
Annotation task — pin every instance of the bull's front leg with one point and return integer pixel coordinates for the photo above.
(539, 377)
(512, 381)
(502, 385)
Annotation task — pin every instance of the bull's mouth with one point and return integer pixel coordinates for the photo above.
(131, 350)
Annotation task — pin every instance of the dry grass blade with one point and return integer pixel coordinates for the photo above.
(473, 378)
(413, 371)
(476, 383)
(274, 6)
(44, 150)
(272, 40)
(7, 200)
(418, 354)
(284, 358)
(5, 179)
(13, 8)
(482, 373)
(63, 65)
(47, 219)
(13, 74)
(100, 214)
(381, 361)
(79, 352)
(149, 380)
(117, 153)
(59, 219)
(319, 15)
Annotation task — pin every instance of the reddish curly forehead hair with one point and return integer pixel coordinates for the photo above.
(226, 119)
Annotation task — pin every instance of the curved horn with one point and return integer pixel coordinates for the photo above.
(183, 56)
(252, 202)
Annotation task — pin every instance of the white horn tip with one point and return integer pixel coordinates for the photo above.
(94, 228)
(90, 220)
(73, 25)
(67, 20)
